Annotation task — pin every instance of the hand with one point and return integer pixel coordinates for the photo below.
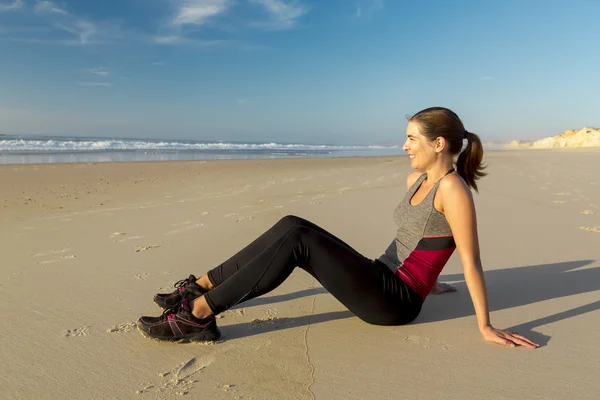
(507, 339)
(440, 288)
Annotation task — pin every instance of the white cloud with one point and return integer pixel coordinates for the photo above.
(198, 11)
(43, 41)
(167, 39)
(158, 63)
(15, 5)
(86, 32)
(184, 41)
(283, 15)
(98, 71)
(79, 31)
(366, 8)
(49, 7)
(103, 84)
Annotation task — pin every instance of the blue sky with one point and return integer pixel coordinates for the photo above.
(329, 71)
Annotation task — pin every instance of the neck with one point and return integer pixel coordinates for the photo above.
(438, 170)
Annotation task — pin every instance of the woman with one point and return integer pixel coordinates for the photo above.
(436, 216)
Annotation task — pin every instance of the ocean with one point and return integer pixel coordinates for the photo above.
(61, 149)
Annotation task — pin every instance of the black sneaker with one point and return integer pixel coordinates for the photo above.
(183, 288)
(177, 324)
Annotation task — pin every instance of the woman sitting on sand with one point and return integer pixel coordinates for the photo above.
(436, 215)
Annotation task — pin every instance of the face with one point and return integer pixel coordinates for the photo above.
(420, 150)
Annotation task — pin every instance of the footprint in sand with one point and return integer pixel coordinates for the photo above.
(51, 253)
(270, 317)
(239, 311)
(127, 239)
(123, 237)
(118, 234)
(425, 342)
(227, 388)
(61, 258)
(139, 249)
(179, 380)
(147, 387)
(182, 223)
(68, 257)
(589, 229)
(147, 205)
(588, 212)
(244, 218)
(121, 328)
(314, 203)
(184, 229)
(81, 331)
(143, 276)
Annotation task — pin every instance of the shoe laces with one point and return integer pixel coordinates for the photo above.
(182, 283)
(172, 311)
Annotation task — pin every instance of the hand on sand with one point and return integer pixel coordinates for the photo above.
(440, 288)
(508, 339)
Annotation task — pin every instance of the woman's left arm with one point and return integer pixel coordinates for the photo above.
(459, 209)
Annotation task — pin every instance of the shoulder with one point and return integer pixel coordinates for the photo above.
(453, 182)
(452, 188)
(412, 178)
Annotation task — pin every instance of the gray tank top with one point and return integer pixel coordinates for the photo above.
(423, 242)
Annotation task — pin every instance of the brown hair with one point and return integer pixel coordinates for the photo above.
(439, 121)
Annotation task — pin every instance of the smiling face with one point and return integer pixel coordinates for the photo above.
(420, 150)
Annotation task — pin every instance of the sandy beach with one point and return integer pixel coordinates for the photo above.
(86, 246)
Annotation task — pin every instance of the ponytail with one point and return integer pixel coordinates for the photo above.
(439, 121)
(469, 165)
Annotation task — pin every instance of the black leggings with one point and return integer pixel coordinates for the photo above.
(367, 288)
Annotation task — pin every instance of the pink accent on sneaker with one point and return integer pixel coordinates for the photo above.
(192, 323)
(181, 289)
(173, 324)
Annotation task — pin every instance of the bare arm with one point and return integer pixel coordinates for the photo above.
(459, 209)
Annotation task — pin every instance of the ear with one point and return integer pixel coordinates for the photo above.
(439, 144)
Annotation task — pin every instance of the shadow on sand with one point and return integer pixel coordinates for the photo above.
(514, 287)
(260, 301)
(507, 288)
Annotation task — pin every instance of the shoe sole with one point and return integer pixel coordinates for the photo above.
(196, 337)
